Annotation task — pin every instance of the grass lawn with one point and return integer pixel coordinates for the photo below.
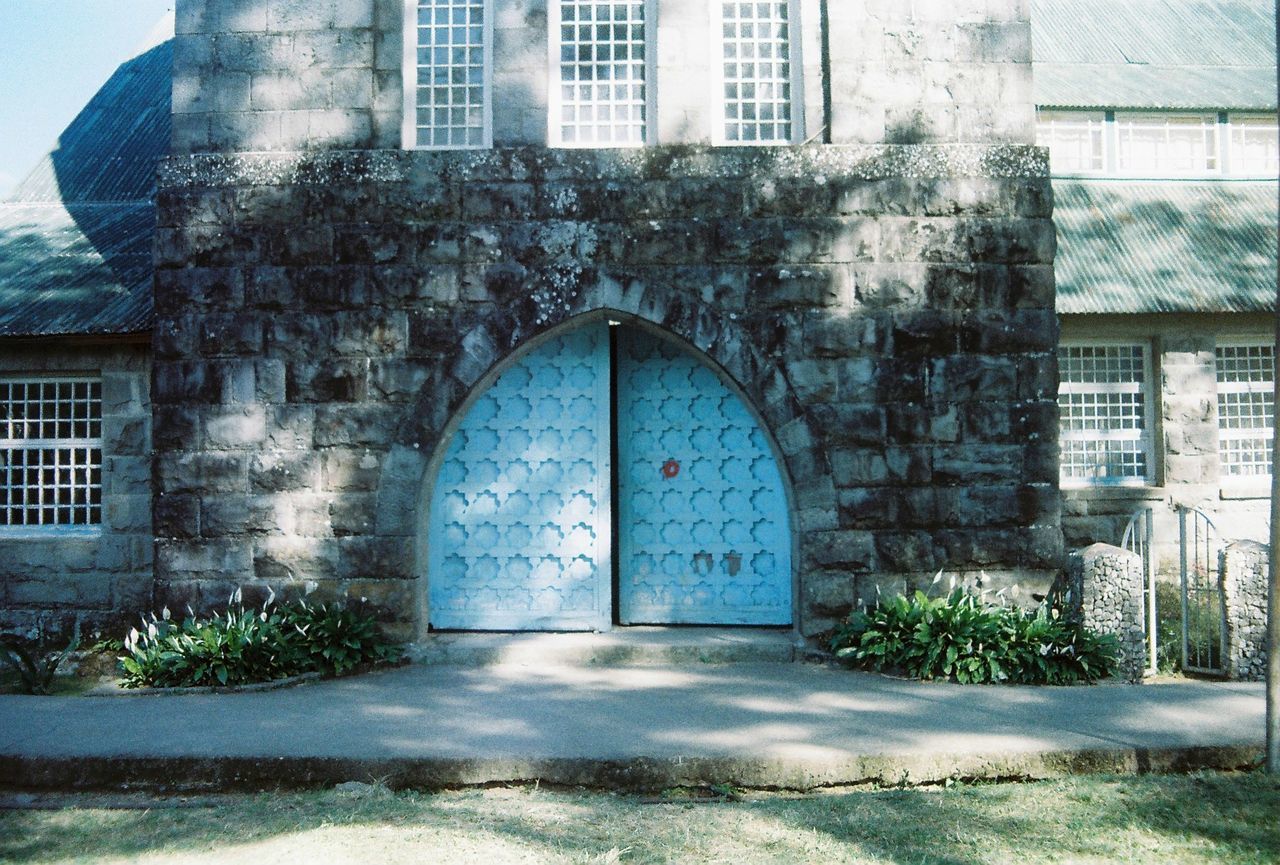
(1201, 818)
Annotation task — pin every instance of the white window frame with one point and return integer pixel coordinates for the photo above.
(1208, 120)
(1147, 435)
(1267, 387)
(1234, 169)
(409, 78)
(555, 103)
(796, 61)
(10, 444)
(1048, 118)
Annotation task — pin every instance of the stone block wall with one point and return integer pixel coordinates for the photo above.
(930, 71)
(321, 318)
(1102, 589)
(285, 75)
(50, 579)
(1245, 571)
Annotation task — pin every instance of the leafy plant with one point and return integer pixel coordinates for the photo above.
(35, 666)
(1046, 649)
(243, 646)
(336, 639)
(963, 638)
(1168, 627)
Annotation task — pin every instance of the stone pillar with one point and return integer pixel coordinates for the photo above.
(1102, 591)
(1188, 383)
(1244, 572)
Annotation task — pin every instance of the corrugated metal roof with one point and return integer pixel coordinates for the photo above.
(1127, 246)
(1154, 53)
(75, 269)
(76, 234)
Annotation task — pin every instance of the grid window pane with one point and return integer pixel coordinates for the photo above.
(1103, 428)
(50, 453)
(1074, 138)
(1255, 145)
(756, 58)
(450, 82)
(1167, 143)
(1246, 409)
(602, 72)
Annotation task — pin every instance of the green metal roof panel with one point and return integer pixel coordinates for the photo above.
(1062, 85)
(76, 234)
(1129, 246)
(76, 268)
(1154, 53)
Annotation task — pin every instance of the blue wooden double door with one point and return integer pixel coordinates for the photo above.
(608, 477)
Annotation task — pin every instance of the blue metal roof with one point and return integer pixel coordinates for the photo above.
(1169, 54)
(1130, 246)
(76, 234)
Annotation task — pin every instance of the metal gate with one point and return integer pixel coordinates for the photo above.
(519, 524)
(1138, 538)
(1204, 614)
(702, 514)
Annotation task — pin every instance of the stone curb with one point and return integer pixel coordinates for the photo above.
(210, 774)
(113, 689)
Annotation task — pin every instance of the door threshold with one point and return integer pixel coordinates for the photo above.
(635, 645)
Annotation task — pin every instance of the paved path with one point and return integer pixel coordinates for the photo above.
(754, 724)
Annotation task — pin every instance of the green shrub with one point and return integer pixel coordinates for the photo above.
(243, 646)
(35, 664)
(336, 639)
(963, 638)
(1168, 627)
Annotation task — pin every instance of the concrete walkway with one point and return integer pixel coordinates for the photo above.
(768, 725)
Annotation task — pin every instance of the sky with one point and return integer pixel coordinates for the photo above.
(54, 55)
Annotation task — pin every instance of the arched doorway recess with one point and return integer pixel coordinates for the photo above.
(607, 477)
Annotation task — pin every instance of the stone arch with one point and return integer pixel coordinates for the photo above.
(474, 346)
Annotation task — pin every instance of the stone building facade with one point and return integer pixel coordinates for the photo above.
(331, 299)
(99, 574)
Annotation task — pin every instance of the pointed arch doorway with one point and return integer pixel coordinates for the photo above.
(608, 477)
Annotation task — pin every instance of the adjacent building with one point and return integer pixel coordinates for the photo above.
(76, 315)
(1160, 119)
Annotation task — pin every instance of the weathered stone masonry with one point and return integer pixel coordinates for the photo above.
(320, 318)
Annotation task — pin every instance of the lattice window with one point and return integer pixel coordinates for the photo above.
(1255, 145)
(1167, 143)
(450, 45)
(602, 85)
(50, 452)
(1075, 140)
(1246, 409)
(757, 69)
(1105, 431)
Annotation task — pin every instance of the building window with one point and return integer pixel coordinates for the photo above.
(757, 68)
(1105, 433)
(600, 92)
(1074, 138)
(1167, 144)
(1246, 409)
(448, 58)
(50, 452)
(1255, 145)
